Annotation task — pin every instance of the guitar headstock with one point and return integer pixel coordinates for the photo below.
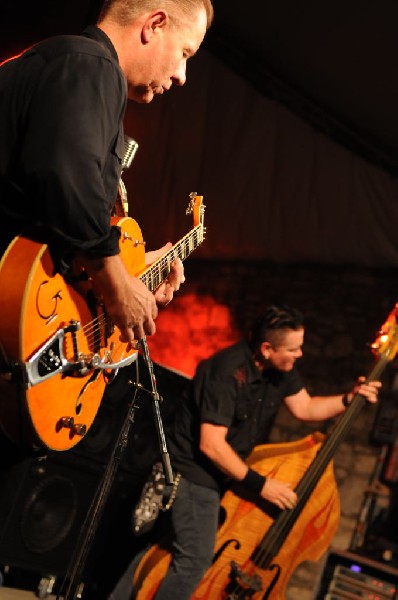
(197, 208)
(386, 343)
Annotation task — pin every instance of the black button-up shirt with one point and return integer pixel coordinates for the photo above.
(228, 390)
(62, 104)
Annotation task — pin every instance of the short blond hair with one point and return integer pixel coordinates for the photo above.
(125, 11)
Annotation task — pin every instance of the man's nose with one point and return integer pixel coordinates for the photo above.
(180, 76)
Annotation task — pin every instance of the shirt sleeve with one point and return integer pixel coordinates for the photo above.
(293, 383)
(70, 152)
(215, 396)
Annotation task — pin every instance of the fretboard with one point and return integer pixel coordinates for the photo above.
(159, 270)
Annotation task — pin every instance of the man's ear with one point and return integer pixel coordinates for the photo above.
(154, 22)
(265, 348)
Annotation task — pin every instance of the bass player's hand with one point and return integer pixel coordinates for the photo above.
(279, 493)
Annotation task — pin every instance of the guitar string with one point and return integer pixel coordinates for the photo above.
(178, 251)
(155, 274)
(160, 265)
(91, 330)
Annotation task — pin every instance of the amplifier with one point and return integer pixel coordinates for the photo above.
(351, 576)
(347, 578)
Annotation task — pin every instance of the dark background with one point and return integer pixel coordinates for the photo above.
(287, 125)
(334, 62)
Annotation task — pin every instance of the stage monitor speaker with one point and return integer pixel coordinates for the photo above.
(349, 575)
(42, 507)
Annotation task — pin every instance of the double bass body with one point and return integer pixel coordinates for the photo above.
(258, 547)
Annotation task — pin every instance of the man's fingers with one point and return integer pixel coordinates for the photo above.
(176, 276)
(280, 493)
(136, 331)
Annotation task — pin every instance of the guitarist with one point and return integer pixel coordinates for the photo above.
(62, 104)
(234, 398)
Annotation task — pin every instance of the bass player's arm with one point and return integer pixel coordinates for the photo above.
(214, 445)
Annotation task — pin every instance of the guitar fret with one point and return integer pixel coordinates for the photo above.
(165, 272)
(158, 272)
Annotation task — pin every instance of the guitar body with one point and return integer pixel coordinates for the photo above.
(35, 304)
(243, 534)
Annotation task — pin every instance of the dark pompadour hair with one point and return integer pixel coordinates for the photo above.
(274, 320)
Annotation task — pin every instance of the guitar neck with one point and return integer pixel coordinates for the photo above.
(159, 270)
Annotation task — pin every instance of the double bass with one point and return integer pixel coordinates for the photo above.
(258, 546)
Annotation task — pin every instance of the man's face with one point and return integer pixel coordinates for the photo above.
(165, 56)
(285, 351)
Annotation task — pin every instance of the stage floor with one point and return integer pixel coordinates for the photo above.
(13, 594)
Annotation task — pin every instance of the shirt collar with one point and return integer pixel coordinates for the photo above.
(270, 375)
(253, 374)
(94, 32)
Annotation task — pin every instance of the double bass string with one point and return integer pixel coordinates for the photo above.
(277, 533)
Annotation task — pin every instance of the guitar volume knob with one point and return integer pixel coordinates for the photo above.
(79, 429)
(66, 422)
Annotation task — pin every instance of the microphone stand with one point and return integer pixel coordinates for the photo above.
(156, 399)
(72, 581)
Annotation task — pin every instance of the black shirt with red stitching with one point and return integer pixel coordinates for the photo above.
(229, 390)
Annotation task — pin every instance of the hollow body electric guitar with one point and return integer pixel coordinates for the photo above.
(59, 348)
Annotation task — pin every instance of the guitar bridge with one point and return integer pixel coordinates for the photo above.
(50, 359)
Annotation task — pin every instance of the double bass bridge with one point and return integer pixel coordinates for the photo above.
(243, 585)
